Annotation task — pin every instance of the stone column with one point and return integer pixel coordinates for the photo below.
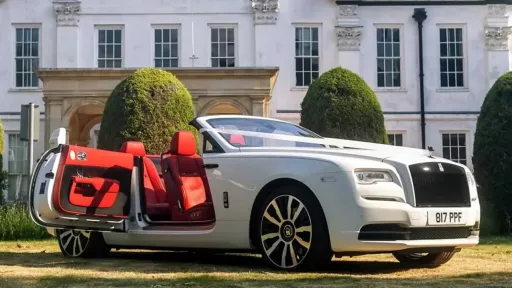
(266, 38)
(53, 117)
(66, 13)
(497, 32)
(349, 33)
(258, 108)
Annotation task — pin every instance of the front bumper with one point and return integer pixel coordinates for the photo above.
(387, 226)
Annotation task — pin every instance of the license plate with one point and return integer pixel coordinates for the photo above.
(446, 218)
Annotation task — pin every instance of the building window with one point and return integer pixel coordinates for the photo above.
(388, 57)
(223, 47)
(110, 44)
(17, 167)
(27, 57)
(166, 47)
(454, 147)
(452, 57)
(396, 139)
(307, 57)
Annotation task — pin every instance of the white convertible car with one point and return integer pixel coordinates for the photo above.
(258, 184)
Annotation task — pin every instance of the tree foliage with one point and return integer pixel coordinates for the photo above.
(148, 106)
(339, 104)
(492, 153)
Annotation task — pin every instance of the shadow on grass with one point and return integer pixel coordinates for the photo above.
(181, 262)
(189, 270)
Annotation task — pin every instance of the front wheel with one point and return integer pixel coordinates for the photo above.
(292, 230)
(79, 243)
(424, 260)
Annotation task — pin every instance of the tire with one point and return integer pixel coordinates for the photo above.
(82, 244)
(289, 234)
(431, 260)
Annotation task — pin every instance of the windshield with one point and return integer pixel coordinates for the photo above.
(261, 126)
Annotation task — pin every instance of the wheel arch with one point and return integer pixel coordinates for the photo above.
(264, 192)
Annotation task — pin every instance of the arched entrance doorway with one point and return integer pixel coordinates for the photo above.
(224, 107)
(84, 125)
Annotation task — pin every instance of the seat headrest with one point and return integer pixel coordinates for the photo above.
(237, 139)
(135, 148)
(183, 143)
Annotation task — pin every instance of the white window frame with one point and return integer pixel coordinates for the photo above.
(97, 28)
(226, 26)
(464, 61)
(320, 54)
(402, 57)
(466, 136)
(6, 158)
(13, 57)
(166, 26)
(398, 132)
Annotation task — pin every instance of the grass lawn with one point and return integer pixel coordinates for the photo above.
(40, 264)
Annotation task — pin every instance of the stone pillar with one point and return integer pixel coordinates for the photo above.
(66, 13)
(497, 32)
(266, 38)
(258, 108)
(53, 118)
(349, 33)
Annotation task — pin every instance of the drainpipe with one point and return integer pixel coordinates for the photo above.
(420, 15)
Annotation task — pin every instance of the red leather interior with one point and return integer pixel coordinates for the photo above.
(189, 179)
(157, 202)
(93, 192)
(237, 139)
(89, 157)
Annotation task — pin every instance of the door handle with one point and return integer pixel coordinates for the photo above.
(210, 166)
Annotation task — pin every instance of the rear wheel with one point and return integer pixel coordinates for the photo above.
(292, 230)
(424, 260)
(79, 243)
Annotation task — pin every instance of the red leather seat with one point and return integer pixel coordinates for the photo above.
(157, 200)
(186, 178)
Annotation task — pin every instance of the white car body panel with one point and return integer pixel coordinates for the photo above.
(327, 172)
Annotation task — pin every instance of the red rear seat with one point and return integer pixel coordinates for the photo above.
(157, 201)
(187, 179)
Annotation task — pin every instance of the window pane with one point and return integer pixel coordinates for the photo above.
(298, 79)
(396, 37)
(380, 35)
(380, 79)
(166, 51)
(158, 50)
(399, 140)
(118, 36)
(110, 36)
(442, 35)
(396, 50)
(215, 35)
(166, 35)
(174, 35)
(396, 65)
(314, 64)
(444, 50)
(298, 64)
(458, 34)
(380, 65)
(158, 35)
(19, 34)
(166, 63)
(388, 50)
(396, 79)
(231, 35)
(314, 36)
(451, 35)
(174, 50)
(174, 63)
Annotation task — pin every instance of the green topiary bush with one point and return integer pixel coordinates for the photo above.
(147, 106)
(339, 104)
(492, 155)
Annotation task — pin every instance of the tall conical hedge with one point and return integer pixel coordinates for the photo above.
(492, 155)
(148, 106)
(339, 104)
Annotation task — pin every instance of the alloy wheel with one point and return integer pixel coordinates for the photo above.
(74, 242)
(286, 231)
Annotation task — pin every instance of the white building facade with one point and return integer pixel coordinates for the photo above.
(465, 49)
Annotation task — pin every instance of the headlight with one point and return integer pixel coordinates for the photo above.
(370, 177)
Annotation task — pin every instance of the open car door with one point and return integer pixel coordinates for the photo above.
(75, 187)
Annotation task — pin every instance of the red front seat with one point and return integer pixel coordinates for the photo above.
(157, 202)
(185, 177)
